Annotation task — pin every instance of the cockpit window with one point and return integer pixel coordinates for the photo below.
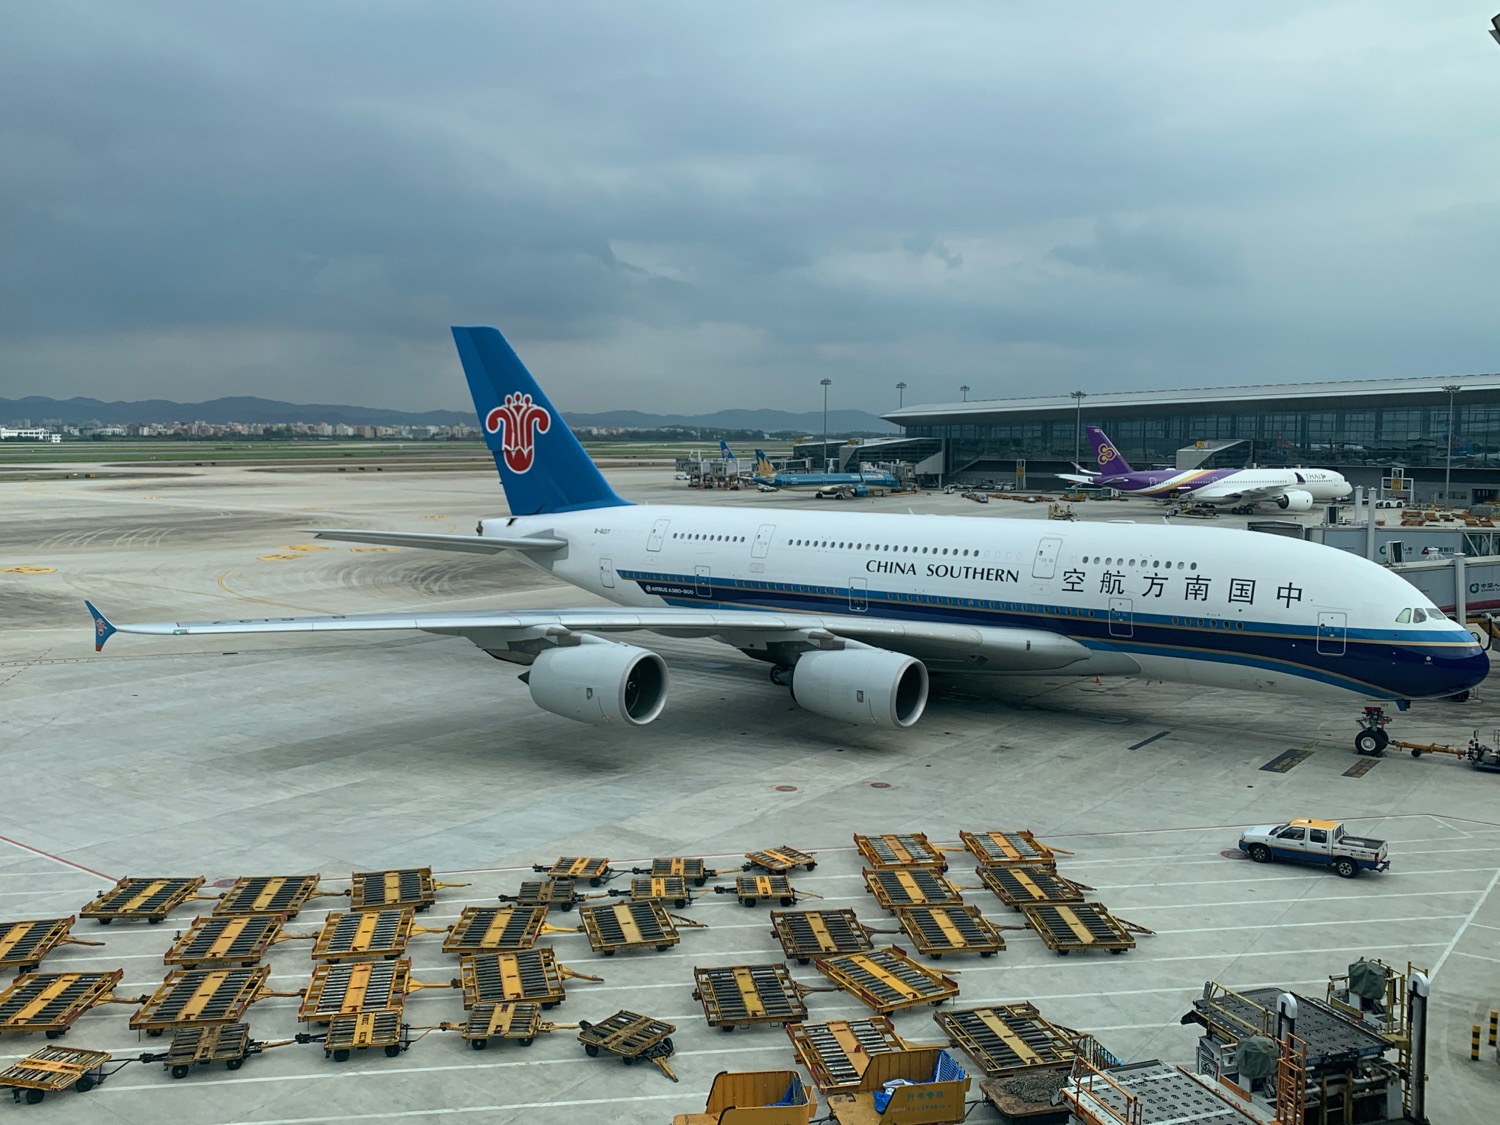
(1418, 614)
(1404, 617)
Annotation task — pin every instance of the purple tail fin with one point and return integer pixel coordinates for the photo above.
(1109, 459)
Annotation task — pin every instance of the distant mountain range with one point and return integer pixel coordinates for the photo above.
(264, 411)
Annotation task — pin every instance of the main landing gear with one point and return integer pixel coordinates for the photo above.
(1372, 739)
(781, 677)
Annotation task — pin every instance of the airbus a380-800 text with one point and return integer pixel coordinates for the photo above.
(853, 609)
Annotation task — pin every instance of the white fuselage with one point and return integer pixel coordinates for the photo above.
(1205, 606)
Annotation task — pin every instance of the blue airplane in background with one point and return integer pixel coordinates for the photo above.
(845, 486)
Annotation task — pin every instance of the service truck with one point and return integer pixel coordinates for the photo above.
(1315, 841)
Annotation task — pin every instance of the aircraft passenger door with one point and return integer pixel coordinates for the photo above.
(607, 573)
(658, 533)
(1045, 562)
(1331, 632)
(1121, 617)
(859, 600)
(703, 582)
(762, 542)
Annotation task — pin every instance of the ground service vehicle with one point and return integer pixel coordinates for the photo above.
(1315, 841)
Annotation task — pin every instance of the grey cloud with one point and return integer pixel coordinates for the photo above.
(1153, 251)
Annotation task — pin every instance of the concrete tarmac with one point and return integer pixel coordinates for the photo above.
(329, 754)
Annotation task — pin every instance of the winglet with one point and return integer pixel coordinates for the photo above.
(103, 630)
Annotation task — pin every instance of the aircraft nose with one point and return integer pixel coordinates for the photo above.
(1465, 668)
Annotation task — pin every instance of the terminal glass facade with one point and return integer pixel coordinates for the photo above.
(1360, 434)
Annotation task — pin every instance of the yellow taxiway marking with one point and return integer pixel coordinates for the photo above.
(368, 550)
(278, 558)
(306, 547)
(30, 570)
(228, 589)
(434, 517)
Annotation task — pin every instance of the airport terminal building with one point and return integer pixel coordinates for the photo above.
(1365, 429)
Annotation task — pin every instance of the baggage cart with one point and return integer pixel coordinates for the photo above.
(630, 1036)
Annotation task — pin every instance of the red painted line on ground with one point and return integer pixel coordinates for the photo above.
(56, 858)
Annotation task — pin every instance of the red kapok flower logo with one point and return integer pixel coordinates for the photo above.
(518, 422)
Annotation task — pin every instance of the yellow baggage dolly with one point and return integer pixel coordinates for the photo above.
(490, 929)
(629, 1036)
(779, 860)
(690, 868)
(192, 1047)
(151, 899)
(750, 889)
(51, 1070)
(546, 892)
(911, 886)
(1064, 927)
(356, 934)
(218, 942)
(937, 930)
(268, 894)
(344, 988)
(764, 1097)
(201, 997)
(741, 995)
(360, 1031)
(1008, 1039)
(1017, 848)
(836, 1053)
(515, 975)
(900, 850)
(806, 934)
(52, 1002)
(1018, 886)
(669, 890)
(521, 1022)
(391, 890)
(23, 945)
(595, 869)
(887, 979)
(631, 925)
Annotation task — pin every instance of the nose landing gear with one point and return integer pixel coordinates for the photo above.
(1372, 739)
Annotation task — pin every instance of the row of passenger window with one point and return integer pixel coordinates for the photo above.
(889, 548)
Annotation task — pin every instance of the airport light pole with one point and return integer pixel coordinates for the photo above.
(1077, 397)
(1452, 389)
(965, 390)
(900, 395)
(825, 384)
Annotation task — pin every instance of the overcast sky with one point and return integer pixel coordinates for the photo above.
(687, 206)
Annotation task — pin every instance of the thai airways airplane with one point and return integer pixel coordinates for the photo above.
(844, 485)
(1293, 490)
(852, 610)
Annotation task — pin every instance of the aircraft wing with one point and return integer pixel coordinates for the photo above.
(1076, 479)
(478, 544)
(985, 648)
(1228, 494)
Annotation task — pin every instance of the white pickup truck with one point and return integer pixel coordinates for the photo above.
(1315, 841)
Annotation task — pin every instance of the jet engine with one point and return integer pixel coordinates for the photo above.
(869, 686)
(600, 682)
(1295, 500)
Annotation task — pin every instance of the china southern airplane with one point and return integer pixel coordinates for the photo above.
(1293, 490)
(842, 485)
(852, 609)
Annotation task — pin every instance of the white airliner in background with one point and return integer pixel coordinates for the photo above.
(852, 609)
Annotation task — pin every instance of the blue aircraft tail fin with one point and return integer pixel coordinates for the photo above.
(103, 630)
(543, 468)
(763, 464)
(1109, 459)
(725, 451)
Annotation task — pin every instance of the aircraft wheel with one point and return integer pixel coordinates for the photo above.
(1367, 742)
(779, 676)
